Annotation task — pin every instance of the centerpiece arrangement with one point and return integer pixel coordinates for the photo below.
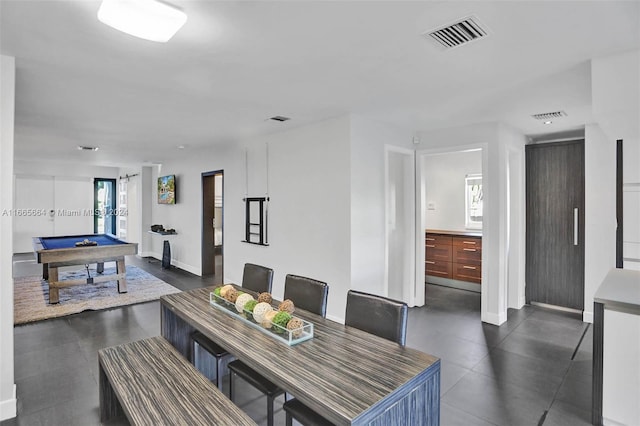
(278, 322)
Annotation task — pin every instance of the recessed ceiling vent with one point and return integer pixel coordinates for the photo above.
(87, 148)
(549, 115)
(279, 118)
(459, 33)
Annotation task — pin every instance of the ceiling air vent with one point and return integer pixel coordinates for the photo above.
(459, 33)
(279, 118)
(87, 148)
(549, 115)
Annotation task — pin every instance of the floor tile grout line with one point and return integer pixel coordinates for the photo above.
(575, 352)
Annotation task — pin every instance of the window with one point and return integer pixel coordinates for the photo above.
(473, 201)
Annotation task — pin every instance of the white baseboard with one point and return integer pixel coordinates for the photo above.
(8, 408)
(336, 319)
(185, 267)
(587, 317)
(493, 318)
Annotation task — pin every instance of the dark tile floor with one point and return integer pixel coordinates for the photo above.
(533, 370)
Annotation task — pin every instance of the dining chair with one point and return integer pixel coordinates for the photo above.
(384, 317)
(207, 356)
(307, 294)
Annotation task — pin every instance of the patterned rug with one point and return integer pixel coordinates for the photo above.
(31, 294)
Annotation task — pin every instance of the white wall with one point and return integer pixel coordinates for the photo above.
(600, 212)
(616, 109)
(309, 212)
(368, 140)
(445, 187)
(7, 107)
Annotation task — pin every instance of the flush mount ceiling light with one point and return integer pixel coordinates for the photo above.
(147, 19)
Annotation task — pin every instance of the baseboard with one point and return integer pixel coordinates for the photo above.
(587, 317)
(336, 319)
(492, 318)
(609, 422)
(185, 267)
(460, 285)
(8, 408)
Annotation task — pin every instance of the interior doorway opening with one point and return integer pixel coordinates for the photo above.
(213, 223)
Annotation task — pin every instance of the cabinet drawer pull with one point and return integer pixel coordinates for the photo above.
(430, 262)
(466, 249)
(430, 239)
(469, 242)
(430, 245)
(469, 267)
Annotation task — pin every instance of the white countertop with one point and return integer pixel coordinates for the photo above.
(620, 291)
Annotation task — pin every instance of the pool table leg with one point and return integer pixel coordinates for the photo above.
(122, 282)
(100, 267)
(53, 291)
(45, 271)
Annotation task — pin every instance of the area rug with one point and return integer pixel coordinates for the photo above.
(31, 294)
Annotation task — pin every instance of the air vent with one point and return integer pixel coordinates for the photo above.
(549, 115)
(457, 34)
(87, 148)
(279, 118)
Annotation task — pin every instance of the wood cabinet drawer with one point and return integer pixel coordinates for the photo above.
(467, 255)
(438, 268)
(438, 252)
(437, 239)
(465, 272)
(470, 242)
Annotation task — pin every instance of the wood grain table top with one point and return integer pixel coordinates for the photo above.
(342, 372)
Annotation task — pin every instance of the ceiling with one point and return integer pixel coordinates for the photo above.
(236, 63)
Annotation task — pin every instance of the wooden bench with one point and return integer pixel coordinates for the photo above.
(150, 383)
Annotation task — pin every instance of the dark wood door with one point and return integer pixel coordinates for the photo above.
(555, 224)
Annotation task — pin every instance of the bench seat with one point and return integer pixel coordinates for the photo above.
(150, 383)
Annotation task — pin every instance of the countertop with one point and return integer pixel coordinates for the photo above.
(620, 291)
(461, 233)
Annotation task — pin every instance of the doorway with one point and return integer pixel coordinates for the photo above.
(104, 204)
(213, 223)
(555, 224)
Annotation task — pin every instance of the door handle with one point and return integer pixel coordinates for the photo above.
(575, 226)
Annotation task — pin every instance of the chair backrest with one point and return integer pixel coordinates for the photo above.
(307, 294)
(257, 278)
(377, 315)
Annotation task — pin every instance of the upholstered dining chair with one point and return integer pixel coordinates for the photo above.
(207, 356)
(386, 318)
(307, 294)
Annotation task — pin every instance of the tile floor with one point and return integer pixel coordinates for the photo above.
(533, 370)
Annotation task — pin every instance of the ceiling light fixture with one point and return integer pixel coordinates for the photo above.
(148, 19)
(548, 122)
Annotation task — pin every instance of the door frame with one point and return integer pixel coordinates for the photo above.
(114, 199)
(411, 289)
(208, 255)
(487, 231)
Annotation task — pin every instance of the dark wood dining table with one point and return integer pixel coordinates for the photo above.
(349, 376)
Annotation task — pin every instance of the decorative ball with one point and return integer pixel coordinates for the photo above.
(242, 300)
(225, 289)
(265, 297)
(268, 318)
(250, 305)
(281, 319)
(287, 306)
(231, 295)
(260, 310)
(296, 325)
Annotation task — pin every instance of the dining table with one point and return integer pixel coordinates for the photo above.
(347, 375)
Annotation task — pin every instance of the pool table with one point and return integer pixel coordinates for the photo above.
(54, 252)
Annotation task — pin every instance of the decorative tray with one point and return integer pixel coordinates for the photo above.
(289, 336)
